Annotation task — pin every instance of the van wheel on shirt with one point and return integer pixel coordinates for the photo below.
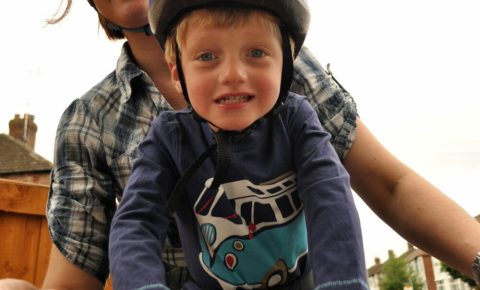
(277, 275)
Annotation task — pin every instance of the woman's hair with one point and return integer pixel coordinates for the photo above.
(63, 11)
(221, 17)
(58, 16)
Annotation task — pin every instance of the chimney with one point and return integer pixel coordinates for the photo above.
(23, 129)
(377, 261)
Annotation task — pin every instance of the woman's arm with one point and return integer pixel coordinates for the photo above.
(409, 204)
(63, 275)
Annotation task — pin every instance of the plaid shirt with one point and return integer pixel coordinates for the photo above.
(96, 146)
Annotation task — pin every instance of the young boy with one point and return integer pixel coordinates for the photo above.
(274, 204)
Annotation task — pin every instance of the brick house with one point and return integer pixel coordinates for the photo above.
(18, 160)
(418, 260)
(426, 267)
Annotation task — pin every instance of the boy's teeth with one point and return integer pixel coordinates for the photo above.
(233, 99)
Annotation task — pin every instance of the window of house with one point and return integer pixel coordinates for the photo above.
(440, 285)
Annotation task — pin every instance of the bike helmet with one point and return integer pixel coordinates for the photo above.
(163, 14)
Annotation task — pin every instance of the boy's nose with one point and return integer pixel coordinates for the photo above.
(233, 71)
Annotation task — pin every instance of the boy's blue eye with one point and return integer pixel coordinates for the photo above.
(257, 53)
(206, 56)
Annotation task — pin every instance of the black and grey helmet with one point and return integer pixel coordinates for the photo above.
(293, 13)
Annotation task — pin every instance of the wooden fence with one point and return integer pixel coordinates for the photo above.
(24, 239)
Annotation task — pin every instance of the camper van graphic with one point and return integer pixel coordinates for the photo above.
(247, 232)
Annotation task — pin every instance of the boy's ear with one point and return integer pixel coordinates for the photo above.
(175, 78)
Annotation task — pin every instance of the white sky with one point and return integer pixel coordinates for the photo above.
(411, 65)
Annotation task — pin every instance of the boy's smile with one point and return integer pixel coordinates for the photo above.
(234, 99)
(232, 73)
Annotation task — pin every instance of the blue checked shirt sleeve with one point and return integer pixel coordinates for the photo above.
(81, 203)
(334, 106)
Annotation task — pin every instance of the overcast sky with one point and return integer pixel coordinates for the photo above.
(411, 65)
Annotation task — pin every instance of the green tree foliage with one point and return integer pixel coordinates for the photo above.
(396, 274)
(456, 274)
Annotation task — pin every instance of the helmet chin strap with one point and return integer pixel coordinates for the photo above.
(117, 28)
(142, 29)
(226, 138)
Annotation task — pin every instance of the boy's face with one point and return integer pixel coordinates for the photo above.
(232, 74)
